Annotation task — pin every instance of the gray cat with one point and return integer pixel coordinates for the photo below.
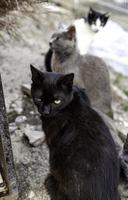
(91, 72)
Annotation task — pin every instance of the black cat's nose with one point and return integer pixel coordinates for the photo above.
(46, 110)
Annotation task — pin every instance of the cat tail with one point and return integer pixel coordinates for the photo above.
(47, 60)
(125, 148)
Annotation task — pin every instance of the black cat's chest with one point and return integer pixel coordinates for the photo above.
(62, 155)
(51, 130)
(56, 132)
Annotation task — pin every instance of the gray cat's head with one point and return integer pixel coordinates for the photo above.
(64, 41)
(97, 20)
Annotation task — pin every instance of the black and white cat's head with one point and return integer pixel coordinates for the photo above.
(51, 92)
(97, 20)
(64, 41)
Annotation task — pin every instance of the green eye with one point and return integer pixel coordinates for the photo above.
(57, 101)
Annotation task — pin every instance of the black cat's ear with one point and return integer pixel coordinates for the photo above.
(71, 32)
(66, 80)
(37, 76)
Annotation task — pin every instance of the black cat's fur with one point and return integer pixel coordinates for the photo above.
(83, 158)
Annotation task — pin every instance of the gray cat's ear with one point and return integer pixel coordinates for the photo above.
(67, 80)
(61, 26)
(71, 32)
(37, 76)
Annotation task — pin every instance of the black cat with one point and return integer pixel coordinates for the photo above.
(83, 158)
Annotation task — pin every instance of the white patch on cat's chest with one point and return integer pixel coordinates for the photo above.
(84, 36)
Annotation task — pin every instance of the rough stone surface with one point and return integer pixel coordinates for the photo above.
(6, 156)
(26, 89)
(35, 137)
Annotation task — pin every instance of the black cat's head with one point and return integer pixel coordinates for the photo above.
(97, 20)
(64, 41)
(51, 92)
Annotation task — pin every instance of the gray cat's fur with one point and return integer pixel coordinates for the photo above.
(90, 71)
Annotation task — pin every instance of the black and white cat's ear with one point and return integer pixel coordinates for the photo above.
(91, 10)
(36, 74)
(71, 32)
(67, 80)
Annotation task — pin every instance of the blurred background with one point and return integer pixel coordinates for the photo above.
(25, 30)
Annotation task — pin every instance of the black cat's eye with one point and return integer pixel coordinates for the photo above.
(57, 101)
(38, 100)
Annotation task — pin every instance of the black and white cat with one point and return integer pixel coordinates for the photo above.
(86, 30)
(97, 20)
(83, 159)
